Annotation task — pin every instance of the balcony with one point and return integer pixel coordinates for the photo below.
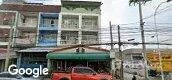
(47, 42)
(13, 1)
(89, 39)
(3, 43)
(90, 27)
(29, 26)
(25, 42)
(89, 42)
(68, 26)
(68, 42)
(48, 27)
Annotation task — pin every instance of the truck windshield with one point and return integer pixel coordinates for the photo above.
(84, 71)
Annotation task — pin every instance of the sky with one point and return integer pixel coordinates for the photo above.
(119, 13)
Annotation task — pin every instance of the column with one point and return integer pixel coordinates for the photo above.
(49, 64)
(80, 29)
(59, 29)
(15, 28)
(37, 34)
(18, 59)
(99, 26)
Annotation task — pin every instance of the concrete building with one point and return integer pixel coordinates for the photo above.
(40, 26)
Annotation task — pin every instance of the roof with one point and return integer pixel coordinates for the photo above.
(81, 3)
(31, 7)
(79, 56)
(37, 49)
(75, 46)
(84, 0)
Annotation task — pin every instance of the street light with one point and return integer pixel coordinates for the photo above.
(158, 49)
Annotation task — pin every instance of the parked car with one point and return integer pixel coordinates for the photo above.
(79, 73)
(8, 76)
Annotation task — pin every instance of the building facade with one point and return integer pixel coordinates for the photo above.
(46, 26)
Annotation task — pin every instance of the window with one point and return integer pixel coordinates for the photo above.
(137, 57)
(52, 21)
(83, 71)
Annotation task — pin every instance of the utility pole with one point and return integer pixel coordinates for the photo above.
(9, 46)
(143, 39)
(120, 54)
(112, 53)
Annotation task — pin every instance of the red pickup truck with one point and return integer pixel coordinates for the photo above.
(80, 73)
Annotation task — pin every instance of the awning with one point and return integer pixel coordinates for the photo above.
(85, 56)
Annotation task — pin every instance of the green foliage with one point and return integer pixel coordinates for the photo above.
(137, 1)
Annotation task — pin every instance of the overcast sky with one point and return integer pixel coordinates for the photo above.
(119, 12)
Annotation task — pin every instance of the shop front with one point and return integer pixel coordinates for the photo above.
(99, 61)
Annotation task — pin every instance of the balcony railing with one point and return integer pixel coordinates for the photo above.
(67, 26)
(3, 39)
(33, 25)
(47, 42)
(69, 42)
(90, 27)
(48, 27)
(24, 41)
(89, 42)
(13, 1)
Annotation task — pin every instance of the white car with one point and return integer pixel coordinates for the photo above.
(8, 76)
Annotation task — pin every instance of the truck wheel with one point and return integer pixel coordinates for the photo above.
(64, 78)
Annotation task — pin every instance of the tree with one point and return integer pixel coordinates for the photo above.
(136, 1)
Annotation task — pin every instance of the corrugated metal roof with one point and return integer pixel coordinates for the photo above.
(37, 49)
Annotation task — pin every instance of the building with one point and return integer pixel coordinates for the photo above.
(19, 26)
(6, 26)
(40, 26)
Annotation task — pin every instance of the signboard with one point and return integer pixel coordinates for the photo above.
(44, 2)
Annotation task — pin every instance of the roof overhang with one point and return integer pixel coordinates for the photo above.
(31, 7)
(37, 49)
(83, 3)
(79, 56)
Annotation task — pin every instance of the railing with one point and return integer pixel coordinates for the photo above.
(4, 39)
(91, 41)
(45, 40)
(13, 1)
(90, 27)
(69, 42)
(25, 41)
(27, 25)
(67, 26)
(48, 27)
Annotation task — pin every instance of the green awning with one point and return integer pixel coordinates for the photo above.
(85, 56)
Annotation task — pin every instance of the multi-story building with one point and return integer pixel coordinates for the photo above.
(79, 22)
(39, 24)
(6, 22)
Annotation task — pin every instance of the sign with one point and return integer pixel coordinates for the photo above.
(112, 53)
(44, 2)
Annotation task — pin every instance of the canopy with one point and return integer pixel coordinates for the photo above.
(75, 55)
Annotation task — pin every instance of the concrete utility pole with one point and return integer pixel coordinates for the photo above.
(112, 53)
(158, 48)
(143, 39)
(120, 54)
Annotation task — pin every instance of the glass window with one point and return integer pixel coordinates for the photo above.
(83, 71)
